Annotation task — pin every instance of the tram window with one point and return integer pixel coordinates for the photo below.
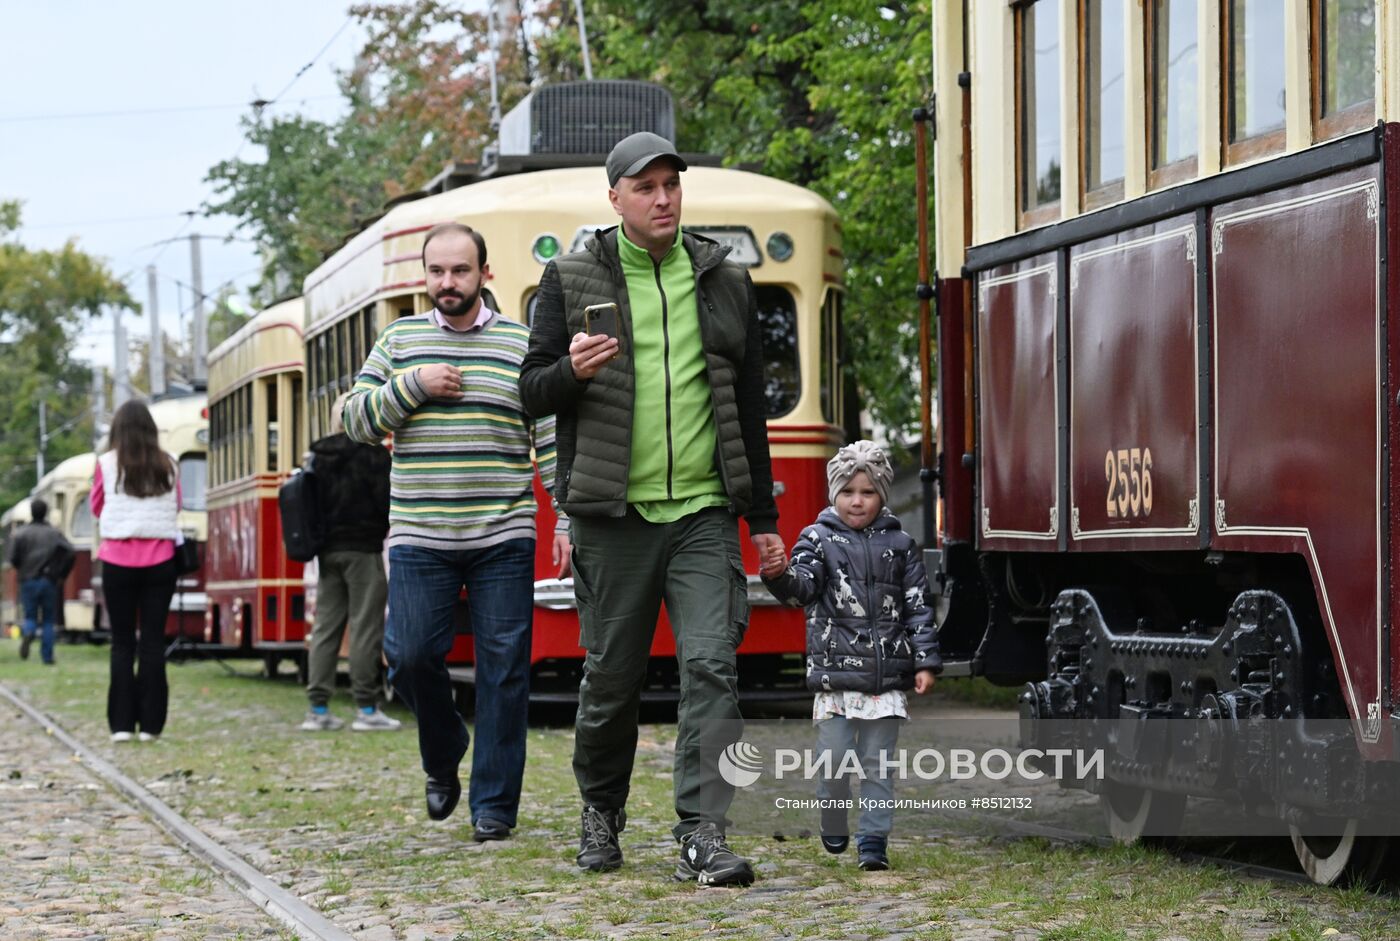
(777, 318)
(59, 519)
(1104, 97)
(1254, 79)
(530, 305)
(220, 421)
(272, 425)
(370, 335)
(336, 357)
(247, 436)
(82, 519)
(1344, 62)
(1038, 103)
(295, 441)
(1172, 84)
(826, 367)
(193, 470)
(352, 345)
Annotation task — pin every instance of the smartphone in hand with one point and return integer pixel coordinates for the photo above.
(601, 320)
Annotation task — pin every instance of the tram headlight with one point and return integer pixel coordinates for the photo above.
(780, 246)
(546, 247)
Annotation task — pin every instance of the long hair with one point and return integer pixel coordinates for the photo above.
(143, 469)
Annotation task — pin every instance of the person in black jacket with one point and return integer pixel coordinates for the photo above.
(353, 501)
(870, 637)
(33, 550)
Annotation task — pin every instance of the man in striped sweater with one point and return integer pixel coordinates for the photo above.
(461, 512)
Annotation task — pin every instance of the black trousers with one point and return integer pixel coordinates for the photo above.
(138, 601)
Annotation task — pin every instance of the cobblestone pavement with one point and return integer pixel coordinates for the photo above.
(337, 819)
(82, 863)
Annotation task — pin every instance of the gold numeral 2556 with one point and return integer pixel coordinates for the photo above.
(1129, 474)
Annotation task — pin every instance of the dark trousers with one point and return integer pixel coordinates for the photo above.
(138, 602)
(623, 570)
(423, 589)
(40, 599)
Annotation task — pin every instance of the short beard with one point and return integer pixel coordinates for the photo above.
(468, 302)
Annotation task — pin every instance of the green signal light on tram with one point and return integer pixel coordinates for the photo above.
(545, 248)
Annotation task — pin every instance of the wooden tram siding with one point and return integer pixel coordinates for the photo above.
(287, 909)
(1336, 194)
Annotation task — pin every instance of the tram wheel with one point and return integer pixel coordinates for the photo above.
(1136, 812)
(1347, 858)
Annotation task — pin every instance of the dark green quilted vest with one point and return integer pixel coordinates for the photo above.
(594, 453)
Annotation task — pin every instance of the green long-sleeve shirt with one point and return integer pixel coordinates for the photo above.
(672, 472)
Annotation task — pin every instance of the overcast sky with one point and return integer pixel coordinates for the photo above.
(111, 114)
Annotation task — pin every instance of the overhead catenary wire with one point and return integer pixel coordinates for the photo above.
(156, 110)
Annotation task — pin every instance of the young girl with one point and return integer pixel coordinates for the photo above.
(135, 495)
(870, 636)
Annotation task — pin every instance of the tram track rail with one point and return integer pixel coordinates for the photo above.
(287, 909)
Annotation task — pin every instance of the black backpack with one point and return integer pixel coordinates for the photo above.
(302, 527)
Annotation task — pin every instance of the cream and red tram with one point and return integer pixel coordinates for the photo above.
(1168, 354)
(787, 236)
(182, 421)
(257, 437)
(65, 489)
(10, 521)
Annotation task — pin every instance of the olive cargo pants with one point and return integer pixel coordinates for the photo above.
(623, 570)
(350, 591)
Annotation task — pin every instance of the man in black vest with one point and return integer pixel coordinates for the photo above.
(663, 445)
(36, 549)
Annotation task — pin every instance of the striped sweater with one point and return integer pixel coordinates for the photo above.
(462, 474)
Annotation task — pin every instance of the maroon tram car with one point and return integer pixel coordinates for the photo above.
(1167, 471)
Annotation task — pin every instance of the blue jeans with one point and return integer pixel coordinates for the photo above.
(423, 589)
(39, 598)
(869, 739)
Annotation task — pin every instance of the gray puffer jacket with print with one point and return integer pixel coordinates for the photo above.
(869, 624)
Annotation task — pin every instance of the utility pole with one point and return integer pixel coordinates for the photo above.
(199, 369)
(121, 382)
(43, 440)
(583, 41)
(493, 40)
(99, 405)
(156, 358)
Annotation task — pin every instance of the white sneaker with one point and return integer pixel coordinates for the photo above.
(147, 736)
(122, 736)
(374, 721)
(321, 722)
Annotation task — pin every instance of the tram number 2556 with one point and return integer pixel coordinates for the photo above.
(1129, 473)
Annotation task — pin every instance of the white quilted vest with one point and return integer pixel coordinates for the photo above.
(127, 517)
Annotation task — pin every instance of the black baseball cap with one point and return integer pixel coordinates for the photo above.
(634, 152)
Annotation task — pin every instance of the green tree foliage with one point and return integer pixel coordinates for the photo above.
(417, 99)
(819, 93)
(46, 297)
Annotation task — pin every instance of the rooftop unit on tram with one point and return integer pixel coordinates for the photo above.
(571, 124)
(585, 118)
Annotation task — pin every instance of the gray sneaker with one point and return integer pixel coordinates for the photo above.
(707, 859)
(321, 722)
(374, 721)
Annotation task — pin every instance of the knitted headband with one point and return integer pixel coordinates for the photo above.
(860, 456)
